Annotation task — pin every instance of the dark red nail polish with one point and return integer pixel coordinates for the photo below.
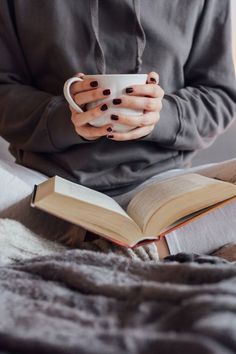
(109, 129)
(110, 136)
(107, 92)
(94, 84)
(129, 90)
(117, 101)
(104, 107)
(153, 80)
(114, 117)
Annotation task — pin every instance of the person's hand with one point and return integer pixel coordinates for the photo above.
(146, 97)
(84, 92)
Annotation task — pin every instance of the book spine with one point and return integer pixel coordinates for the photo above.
(33, 196)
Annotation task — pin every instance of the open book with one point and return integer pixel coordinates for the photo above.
(153, 212)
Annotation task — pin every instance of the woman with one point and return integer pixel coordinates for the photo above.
(44, 43)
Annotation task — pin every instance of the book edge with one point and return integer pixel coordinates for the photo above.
(198, 216)
(33, 195)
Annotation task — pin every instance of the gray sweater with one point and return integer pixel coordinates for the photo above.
(43, 43)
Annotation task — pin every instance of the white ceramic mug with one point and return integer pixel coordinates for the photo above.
(117, 83)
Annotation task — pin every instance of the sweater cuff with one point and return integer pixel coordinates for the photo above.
(166, 130)
(60, 128)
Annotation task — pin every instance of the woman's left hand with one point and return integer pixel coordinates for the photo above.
(146, 97)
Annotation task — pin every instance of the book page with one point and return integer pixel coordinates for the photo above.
(219, 224)
(225, 171)
(192, 217)
(86, 207)
(148, 201)
(87, 195)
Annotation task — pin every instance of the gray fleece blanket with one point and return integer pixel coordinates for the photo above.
(82, 301)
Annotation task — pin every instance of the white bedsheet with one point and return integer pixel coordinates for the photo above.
(16, 182)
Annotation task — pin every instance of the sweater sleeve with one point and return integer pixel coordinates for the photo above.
(30, 119)
(195, 115)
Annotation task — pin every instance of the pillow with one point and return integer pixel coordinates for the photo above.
(16, 182)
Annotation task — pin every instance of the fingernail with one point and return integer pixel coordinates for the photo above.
(107, 92)
(114, 117)
(109, 129)
(94, 84)
(116, 101)
(129, 90)
(152, 79)
(110, 136)
(104, 107)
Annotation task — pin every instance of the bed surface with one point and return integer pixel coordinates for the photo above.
(16, 181)
(92, 301)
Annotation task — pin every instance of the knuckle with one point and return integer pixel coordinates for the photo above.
(78, 131)
(119, 137)
(72, 111)
(145, 121)
(152, 73)
(130, 120)
(162, 92)
(88, 133)
(76, 120)
(96, 132)
(136, 135)
(155, 91)
(150, 104)
(74, 88)
(142, 120)
(77, 98)
(73, 119)
(160, 105)
(147, 131)
(79, 74)
(84, 84)
(151, 128)
(157, 117)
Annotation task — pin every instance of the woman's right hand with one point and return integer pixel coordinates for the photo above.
(84, 92)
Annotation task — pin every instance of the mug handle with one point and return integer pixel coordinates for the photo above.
(67, 94)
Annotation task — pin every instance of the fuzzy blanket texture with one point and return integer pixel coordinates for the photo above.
(82, 301)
